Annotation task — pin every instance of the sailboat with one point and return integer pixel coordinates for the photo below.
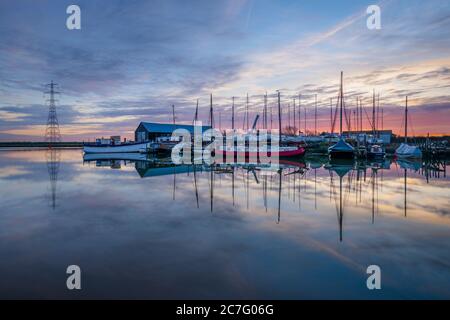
(405, 150)
(341, 149)
(376, 151)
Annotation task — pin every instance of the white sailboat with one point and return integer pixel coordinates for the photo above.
(405, 150)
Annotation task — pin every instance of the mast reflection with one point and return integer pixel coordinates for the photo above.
(275, 189)
(341, 167)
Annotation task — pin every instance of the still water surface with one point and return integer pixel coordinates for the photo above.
(147, 229)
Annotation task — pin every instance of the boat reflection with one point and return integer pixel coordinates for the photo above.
(277, 186)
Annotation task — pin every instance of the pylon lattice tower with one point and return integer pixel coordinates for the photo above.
(52, 136)
(52, 133)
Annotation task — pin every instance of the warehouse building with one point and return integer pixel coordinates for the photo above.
(151, 131)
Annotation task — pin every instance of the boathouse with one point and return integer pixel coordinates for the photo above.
(151, 131)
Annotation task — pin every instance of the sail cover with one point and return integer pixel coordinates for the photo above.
(406, 150)
(341, 146)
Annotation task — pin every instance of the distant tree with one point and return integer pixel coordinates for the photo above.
(289, 130)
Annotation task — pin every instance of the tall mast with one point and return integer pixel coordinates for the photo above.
(295, 131)
(211, 113)
(246, 111)
(406, 120)
(361, 113)
(299, 111)
(315, 115)
(265, 111)
(304, 118)
(196, 113)
(173, 114)
(342, 102)
(173, 119)
(373, 115)
(331, 115)
(289, 115)
(378, 115)
(271, 117)
(232, 115)
(279, 116)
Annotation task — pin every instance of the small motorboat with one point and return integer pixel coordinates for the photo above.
(376, 151)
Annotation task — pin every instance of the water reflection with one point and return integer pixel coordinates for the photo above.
(181, 231)
(53, 159)
(345, 177)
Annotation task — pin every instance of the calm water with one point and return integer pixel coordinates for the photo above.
(151, 230)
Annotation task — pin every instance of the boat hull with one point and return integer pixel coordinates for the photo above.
(342, 155)
(127, 156)
(124, 148)
(247, 154)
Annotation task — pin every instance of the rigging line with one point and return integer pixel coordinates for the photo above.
(402, 126)
(347, 120)
(368, 118)
(335, 115)
(411, 126)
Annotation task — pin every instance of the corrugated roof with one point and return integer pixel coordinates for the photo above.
(169, 128)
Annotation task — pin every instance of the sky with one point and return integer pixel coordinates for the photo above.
(132, 60)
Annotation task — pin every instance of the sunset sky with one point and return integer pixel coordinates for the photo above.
(132, 60)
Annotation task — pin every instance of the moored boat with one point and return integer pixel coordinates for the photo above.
(408, 151)
(255, 152)
(342, 149)
(376, 152)
(405, 150)
(141, 147)
(126, 156)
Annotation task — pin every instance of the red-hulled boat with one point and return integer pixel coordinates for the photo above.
(294, 151)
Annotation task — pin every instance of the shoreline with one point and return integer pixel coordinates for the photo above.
(25, 144)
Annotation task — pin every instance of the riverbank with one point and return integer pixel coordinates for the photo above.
(28, 144)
